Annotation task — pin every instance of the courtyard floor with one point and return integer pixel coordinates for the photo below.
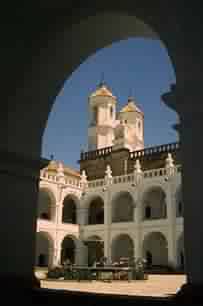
(156, 285)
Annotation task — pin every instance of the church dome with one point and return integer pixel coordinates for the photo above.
(130, 107)
(103, 91)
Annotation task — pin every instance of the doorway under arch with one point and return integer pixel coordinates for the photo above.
(95, 247)
(155, 250)
(68, 248)
(122, 248)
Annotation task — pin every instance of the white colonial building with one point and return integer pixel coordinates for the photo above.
(125, 202)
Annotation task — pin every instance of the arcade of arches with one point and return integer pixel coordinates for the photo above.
(37, 75)
(122, 208)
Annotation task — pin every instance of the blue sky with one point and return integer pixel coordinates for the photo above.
(138, 66)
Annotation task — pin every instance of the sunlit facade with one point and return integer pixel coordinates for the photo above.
(125, 202)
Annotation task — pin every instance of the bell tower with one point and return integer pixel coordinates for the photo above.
(129, 133)
(102, 118)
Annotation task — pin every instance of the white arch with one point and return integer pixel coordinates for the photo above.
(91, 198)
(150, 186)
(157, 212)
(120, 193)
(72, 196)
(69, 235)
(50, 191)
(121, 213)
(47, 208)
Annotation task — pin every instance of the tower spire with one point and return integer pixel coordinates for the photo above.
(130, 97)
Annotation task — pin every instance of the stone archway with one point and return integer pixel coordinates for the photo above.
(123, 207)
(155, 250)
(68, 250)
(122, 248)
(96, 211)
(154, 204)
(46, 204)
(44, 250)
(39, 71)
(69, 213)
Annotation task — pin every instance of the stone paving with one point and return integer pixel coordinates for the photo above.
(156, 285)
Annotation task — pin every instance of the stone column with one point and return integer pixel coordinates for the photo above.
(171, 211)
(81, 254)
(189, 106)
(59, 204)
(19, 180)
(82, 216)
(57, 256)
(137, 236)
(107, 224)
(138, 176)
(108, 179)
(171, 217)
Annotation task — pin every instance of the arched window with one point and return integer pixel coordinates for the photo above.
(69, 210)
(96, 211)
(46, 204)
